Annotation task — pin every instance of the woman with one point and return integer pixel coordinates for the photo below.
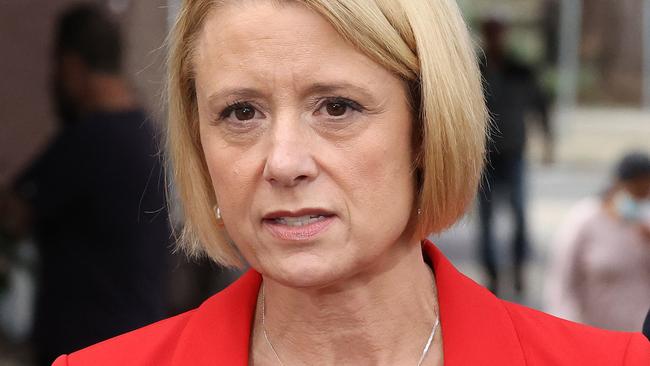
(320, 142)
(601, 266)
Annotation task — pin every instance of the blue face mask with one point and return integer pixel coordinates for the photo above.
(630, 209)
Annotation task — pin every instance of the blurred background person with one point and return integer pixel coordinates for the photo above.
(646, 326)
(95, 198)
(600, 267)
(512, 93)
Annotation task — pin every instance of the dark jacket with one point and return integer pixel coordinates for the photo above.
(102, 231)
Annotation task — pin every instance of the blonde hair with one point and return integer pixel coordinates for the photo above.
(424, 42)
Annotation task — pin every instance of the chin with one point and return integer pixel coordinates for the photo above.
(306, 270)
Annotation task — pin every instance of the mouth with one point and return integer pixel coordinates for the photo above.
(298, 221)
(298, 225)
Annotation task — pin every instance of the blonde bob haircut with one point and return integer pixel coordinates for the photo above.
(424, 42)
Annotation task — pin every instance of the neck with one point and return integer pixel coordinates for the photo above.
(108, 93)
(382, 316)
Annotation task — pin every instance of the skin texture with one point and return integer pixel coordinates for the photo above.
(315, 125)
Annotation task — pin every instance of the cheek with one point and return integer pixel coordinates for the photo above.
(381, 173)
(232, 180)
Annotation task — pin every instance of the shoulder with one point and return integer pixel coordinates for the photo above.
(121, 124)
(150, 345)
(547, 340)
(586, 212)
(589, 208)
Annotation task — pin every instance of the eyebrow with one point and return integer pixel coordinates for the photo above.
(239, 93)
(316, 88)
(335, 88)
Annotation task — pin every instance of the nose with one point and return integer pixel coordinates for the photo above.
(290, 159)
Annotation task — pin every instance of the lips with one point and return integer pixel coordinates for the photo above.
(298, 221)
(305, 213)
(299, 225)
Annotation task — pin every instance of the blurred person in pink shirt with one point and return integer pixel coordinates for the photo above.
(600, 263)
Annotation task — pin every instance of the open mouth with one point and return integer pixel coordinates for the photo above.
(299, 221)
(299, 225)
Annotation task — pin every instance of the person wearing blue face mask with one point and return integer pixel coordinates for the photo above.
(631, 197)
(600, 265)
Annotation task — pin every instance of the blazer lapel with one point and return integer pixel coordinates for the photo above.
(476, 327)
(219, 331)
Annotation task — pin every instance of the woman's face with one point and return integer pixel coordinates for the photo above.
(307, 141)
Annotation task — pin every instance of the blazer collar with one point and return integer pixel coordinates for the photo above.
(218, 332)
(476, 327)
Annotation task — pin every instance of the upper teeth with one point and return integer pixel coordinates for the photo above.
(298, 221)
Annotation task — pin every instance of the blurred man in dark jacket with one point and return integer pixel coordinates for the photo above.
(512, 92)
(96, 198)
(646, 326)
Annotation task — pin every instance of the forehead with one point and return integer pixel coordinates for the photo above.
(265, 41)
(639, 186)
(641, 181)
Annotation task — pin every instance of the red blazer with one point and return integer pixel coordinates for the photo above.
(478, 328)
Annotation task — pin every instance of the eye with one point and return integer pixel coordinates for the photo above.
(245, 113)
(336, 109)
(241, 111)
(339, 107)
